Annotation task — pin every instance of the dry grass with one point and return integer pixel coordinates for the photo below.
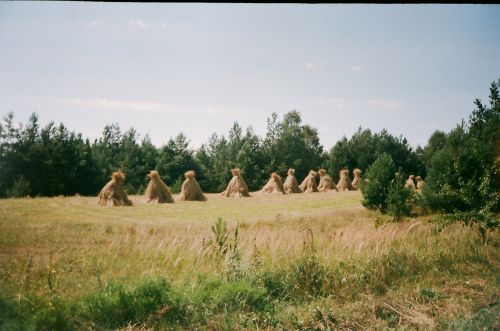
(83, 245)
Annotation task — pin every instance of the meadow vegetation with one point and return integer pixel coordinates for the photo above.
(300, 261)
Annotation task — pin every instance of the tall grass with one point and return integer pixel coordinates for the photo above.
(305, 262)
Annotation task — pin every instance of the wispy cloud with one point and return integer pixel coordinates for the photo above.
(336, 103)
(110, 104)
(356, 68)
(137, 24)
(91, 24)
(311, 66)
(384, 104)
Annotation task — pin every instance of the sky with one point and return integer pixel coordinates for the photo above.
(166, 68)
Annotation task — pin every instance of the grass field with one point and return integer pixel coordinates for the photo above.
(308, 261)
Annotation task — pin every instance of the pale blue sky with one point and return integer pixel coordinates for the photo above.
(197, 68)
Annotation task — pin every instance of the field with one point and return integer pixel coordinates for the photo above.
(307, 261)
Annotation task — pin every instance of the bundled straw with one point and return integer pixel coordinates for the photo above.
(344, 183)
(291, 185)
(357, 179)
(309, 185)
(274, 185)
(410, 183)
(237, 186)
(325, 182)
(114, 191)
(157, 191)
(191, 190)
(420, 183)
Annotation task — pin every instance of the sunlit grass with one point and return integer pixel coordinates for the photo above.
(370, 276)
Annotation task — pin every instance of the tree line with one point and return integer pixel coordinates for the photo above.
(52, 160)
(458, 166)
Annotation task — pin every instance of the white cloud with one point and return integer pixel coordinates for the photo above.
(91, 24)
(137, 24)
(311, 66)
(110, 104)
(163, 25)
(336, 103)
(357, 68)
(384, 104)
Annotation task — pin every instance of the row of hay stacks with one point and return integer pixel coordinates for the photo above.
(158, 192)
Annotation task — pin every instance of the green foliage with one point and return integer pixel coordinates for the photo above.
(398, 198)
(364, 147)
(219, 230)
(217, 295)
(20, 188)
(289, 144)
(379, 176)
(115, 307)
(464, 173)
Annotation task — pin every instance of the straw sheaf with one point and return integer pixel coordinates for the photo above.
(153, 174)
(189, 174)
(118, 176)
(235, 171)
(157, 190)
(322, 172)
(357, 172)
(291, 172)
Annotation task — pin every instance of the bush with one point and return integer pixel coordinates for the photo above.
(464, 175)
(376, 189)
(19, 189)
(398, 198)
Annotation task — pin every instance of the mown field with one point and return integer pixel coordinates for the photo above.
(307, 261)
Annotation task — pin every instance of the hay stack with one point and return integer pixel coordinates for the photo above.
(157, 191)
(114, 191)
(274, 185)
(420, 183)
(357, 179)
(291, 185)
(309, 185)
(344, 183)
(410, 183)
(237, 186)
(325, 182)
(191, 190)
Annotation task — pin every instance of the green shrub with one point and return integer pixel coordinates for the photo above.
(376, 189)
(398, 198)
